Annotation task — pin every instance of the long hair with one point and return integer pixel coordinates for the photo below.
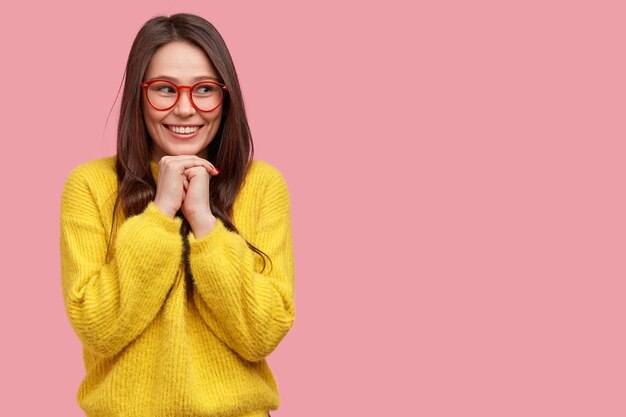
(231, 150)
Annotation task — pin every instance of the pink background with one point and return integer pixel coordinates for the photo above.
(457, 178)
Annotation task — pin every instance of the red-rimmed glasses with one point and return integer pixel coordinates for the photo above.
(205, 96)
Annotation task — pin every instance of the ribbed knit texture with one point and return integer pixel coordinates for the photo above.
(152, 346)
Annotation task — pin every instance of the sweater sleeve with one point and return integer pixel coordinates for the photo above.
(251, 311)
(110, 303)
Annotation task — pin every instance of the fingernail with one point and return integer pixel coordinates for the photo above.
(217, 170)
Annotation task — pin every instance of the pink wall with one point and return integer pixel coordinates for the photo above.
(457, 177)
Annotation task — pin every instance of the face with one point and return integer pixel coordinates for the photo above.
(173, 131)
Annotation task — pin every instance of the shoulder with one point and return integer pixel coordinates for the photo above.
(98, 167)
(265, 179)
(264, 174)
(263, 186)
(97, 176)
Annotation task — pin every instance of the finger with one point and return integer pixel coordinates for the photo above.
(193, 172)
(193, 160)
(215, 171)
(211, 169)
(180, 163)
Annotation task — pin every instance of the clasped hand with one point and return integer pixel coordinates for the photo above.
(183, 184)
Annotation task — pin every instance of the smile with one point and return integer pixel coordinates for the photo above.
(183, 130)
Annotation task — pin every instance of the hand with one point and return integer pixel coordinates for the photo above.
(173, 184)
(196, 207)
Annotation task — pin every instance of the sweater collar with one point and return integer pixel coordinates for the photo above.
(154, 166)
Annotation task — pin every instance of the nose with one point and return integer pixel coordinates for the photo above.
(184, 107)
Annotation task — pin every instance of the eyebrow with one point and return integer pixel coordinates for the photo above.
(193, 80)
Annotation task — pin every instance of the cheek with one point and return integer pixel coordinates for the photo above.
(149, 114)
(215, 120)
(152, 121)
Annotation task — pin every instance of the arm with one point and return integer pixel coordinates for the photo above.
(250, 311)
(110, 303)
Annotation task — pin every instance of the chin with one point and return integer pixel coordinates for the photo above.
(186, 150)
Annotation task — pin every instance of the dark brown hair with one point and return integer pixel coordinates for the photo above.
(231, 150)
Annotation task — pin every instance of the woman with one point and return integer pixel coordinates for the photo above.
(178, 277)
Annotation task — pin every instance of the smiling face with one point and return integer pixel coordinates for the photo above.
(181, 130)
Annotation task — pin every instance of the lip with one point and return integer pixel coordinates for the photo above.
(181, 136)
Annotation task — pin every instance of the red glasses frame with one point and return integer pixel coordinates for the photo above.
(179, 88)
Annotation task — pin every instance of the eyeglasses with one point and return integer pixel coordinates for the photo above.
(205, 96)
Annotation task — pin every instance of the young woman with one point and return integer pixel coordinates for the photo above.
(177, 260)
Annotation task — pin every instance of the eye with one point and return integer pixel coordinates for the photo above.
(205, 89)
(163, 88)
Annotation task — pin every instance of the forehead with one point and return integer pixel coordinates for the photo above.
(180, 60)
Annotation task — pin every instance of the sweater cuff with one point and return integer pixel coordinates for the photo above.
(219, 233)
(154, 215)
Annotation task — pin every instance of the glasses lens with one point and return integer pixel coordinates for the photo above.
(207, 96)
(162, 94)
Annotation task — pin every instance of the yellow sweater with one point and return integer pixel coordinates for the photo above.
(155, 345)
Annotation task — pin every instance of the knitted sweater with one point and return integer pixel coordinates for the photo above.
(154, 343)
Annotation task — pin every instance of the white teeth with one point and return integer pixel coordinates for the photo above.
(183, 130)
